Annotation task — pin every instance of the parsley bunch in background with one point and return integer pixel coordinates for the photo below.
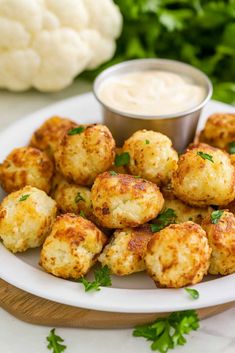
(199, 32)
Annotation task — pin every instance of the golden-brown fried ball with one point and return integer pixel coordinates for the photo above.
(26, 166)
(151, 156)
(205, 176)
(83, 155)
(72, 247)
(185, 212)
(125, 254)
(121, 200)
(47, 137)
(26, 218)
(221, 237)
(71, 198)
(178, 255)
(219, 130)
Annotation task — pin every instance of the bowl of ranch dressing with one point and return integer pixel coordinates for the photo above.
(154, 94)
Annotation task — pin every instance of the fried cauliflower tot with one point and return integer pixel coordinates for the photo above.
(126, 251)
(26, 166)
(205, 176)
(151, 156)
(221, 237)
(121, 200)
(219, 130)
(85, 152)
(47, 137)
(178, 255)
(72, 247)
(71, 198)
(26, 218)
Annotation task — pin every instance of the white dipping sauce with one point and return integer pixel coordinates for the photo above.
(150, 93)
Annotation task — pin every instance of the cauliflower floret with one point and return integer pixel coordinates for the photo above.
(72, 247)
(178, 255)
(26, 218)
(46, 44)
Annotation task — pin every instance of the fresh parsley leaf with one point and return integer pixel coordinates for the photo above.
(82, 214)
(102, 278)
(113, 173)
(122, 159)
(166, 333)
(192, 292)
(205, 156)
(190, 218)
(137, 176)
(78, 197)
(163, 220)
(231, 147)
(55, 342)
(24, 197)
(76, 130)
(216, 215)
(147, 142)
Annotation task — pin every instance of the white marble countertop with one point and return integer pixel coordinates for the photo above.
(216, 334)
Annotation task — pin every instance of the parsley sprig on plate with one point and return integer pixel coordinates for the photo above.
(163, 220)
(102, 278)
(55, 342)
(193, 293)
(166, 333)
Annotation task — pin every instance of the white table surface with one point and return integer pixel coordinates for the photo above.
(216, 334)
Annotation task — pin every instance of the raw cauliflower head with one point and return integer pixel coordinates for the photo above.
(72, 247)
(221, 237)
(46, 43)
(125, 254)
(178, 255)
(26, 218)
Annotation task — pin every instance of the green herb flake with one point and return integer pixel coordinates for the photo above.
(231, 147)
(82, 214)
(137, 176)
(205, 156)
(168, 332)
(76, 130)
(102, 278)
(113, 173)
(55, 342)
(216, 215)
(190, 218)
(147, 142)
(122, 159)
(163, 220)
(194, 294)
(78, 197)
(24, 197)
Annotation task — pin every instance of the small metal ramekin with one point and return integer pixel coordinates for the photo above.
(180, 127)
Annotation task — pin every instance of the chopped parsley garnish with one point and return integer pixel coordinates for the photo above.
(24, 197)
(190, 218)
(102, 278)
(194, 294)
(122, 159)
(231, 147)
(205, 156)
(147, 142)
(82, 214)
(166, 333)
(163, 220)
(113, 173)
(76, 130)
(137, 176)
(78, 197)
(55, 342)
(216, 215)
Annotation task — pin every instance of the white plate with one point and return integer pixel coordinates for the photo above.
(135, 293)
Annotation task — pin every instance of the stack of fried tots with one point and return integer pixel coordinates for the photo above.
(70, 188)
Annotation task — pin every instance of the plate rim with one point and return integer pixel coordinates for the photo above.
(143, 301)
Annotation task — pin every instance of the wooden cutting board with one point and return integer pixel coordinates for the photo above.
(36, 310)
